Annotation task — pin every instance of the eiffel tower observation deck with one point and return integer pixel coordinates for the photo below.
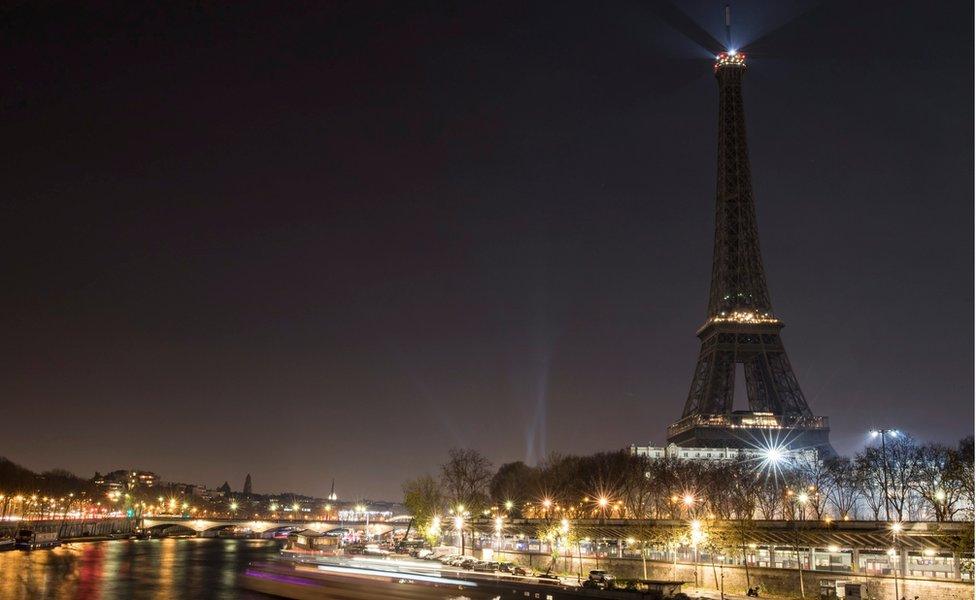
(740, 327)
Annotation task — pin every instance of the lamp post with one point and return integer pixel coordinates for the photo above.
(459, 527)
(896, 554)
(802, 498)
(884, 467)
(363, 509)
(696, 537)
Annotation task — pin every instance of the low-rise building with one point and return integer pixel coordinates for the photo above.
(722, 454)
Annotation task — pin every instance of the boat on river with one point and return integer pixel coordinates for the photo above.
(28, 539)
(367, 578)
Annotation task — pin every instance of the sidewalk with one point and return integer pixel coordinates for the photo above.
(711, 594)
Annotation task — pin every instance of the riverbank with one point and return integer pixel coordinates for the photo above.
(708, 580)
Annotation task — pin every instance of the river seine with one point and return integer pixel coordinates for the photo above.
(158, 569)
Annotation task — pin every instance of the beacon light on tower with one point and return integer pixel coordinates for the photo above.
(730, 59)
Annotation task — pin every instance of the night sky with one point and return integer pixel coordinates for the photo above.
(317, 240)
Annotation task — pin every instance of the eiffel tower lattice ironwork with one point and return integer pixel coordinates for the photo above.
(740, 327)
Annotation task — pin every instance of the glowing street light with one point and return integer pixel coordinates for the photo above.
(688, 500)
(435, 526)
(697, 536)
(459, 527)
(509, 505)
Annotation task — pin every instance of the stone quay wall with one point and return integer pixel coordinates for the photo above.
(772, 582)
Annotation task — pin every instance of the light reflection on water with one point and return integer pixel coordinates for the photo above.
(138, 569)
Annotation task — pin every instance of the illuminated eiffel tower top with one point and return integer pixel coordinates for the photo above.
(738, 277)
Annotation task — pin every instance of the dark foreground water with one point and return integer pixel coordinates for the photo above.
(157, 569)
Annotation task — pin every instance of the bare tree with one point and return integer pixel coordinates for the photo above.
(869, 481)
(769, 494)
(939, 484)
(965, 466)
(465, 478)
(902, 463)
(844, 490)
(816, 474)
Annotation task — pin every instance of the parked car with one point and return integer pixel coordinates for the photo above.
(514, 569)
(599, 580)
(486, 567)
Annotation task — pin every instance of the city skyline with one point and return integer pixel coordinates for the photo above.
(319, 245)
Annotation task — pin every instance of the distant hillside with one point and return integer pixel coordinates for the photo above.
(56, 482)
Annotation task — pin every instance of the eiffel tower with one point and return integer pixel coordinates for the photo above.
(740, 327)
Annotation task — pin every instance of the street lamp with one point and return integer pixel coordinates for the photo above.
(884, 467)
(802, 498)
(363, 509)
(459, 527)
(697, 535)
(434, 528)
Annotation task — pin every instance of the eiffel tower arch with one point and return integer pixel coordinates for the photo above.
(740, 327)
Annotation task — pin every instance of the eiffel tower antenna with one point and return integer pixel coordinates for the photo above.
(728, 28)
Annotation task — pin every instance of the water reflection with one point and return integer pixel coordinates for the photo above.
(149, 569)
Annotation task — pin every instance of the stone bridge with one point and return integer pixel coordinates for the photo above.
(200, 525)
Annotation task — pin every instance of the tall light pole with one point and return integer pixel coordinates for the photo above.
(696, 538)
(895, 553)
(884, 467)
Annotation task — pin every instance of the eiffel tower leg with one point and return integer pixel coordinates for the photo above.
(713, 384)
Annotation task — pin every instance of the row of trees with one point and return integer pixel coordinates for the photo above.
(923, 482)
(56, 482)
